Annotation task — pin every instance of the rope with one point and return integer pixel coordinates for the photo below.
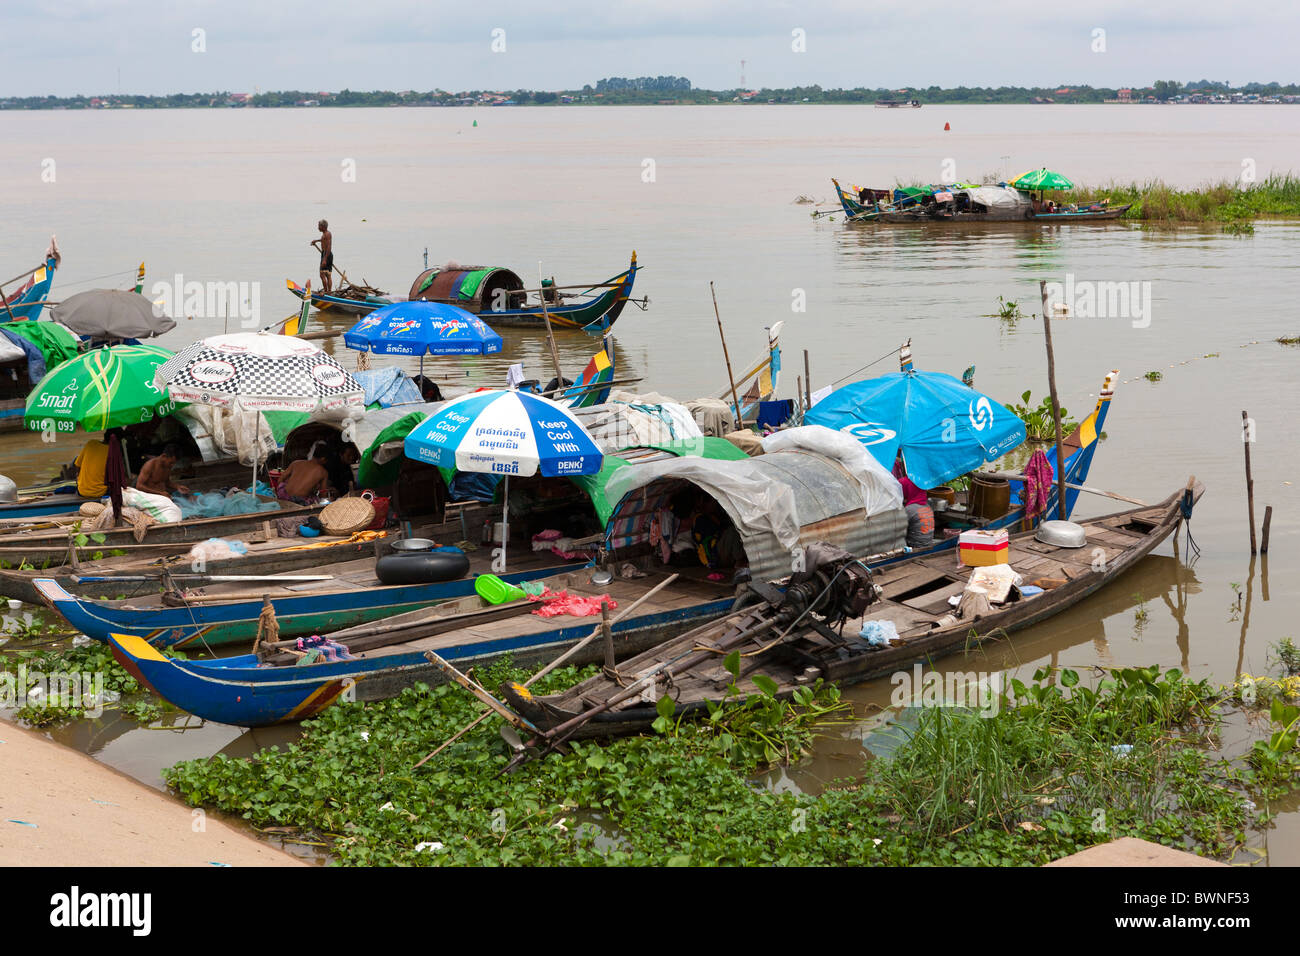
(1185, 508)
(865, 367)
(109, 275)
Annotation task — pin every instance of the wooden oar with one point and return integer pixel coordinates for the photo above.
(479, 692)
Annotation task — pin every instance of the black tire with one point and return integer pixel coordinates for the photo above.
(421, 567)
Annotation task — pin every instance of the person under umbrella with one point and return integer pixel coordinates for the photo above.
(260, 372)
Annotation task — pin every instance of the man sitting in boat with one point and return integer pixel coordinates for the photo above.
(303, 481)
(155, 477)
(326, 246)
(920, 516)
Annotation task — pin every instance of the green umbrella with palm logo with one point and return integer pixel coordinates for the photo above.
(100, 389)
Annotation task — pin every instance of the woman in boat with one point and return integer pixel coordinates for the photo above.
(920, 516)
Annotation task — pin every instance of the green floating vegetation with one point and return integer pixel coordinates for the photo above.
(1040, 426)
(53, 685)
(1288, 340)
(1154, 376)
(1236, 205)
(1059, 768)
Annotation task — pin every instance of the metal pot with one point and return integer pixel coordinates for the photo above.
(1062, 534)
(414, 544)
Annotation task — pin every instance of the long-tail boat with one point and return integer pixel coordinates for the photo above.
(252, 691)
(960, 203)
(500, 297)
(792, 642)
(29, 299)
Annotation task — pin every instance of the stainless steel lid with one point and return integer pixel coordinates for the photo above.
(1062, 534)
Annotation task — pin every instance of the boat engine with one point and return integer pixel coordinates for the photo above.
(833, 584)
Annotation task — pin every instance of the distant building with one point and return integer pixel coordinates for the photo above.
(1126, 96)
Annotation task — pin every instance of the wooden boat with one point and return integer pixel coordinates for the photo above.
(29, 299)
(249, 693)
(898, 104)
(216, 616)
(959, 204)
(499, 297)
(913, 595)
(22, 304)
(45, 543)
(350, 299)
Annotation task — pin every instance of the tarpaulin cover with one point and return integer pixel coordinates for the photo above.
(880, 489)
(627, 420)
(228, 433)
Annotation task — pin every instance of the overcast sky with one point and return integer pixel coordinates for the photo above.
(79, 46)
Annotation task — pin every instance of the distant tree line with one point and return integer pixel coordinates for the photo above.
(618, 90)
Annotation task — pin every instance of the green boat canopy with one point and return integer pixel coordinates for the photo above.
(56, 343)
(594, 486)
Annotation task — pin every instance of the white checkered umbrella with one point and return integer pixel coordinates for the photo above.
(260, 372)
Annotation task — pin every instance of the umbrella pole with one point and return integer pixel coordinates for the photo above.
(257, 442)
(505, 521)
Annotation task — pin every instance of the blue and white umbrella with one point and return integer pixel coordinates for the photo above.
(422, 328)
(505, 433)
(944, 427)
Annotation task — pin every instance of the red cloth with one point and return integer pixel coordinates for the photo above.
(912, 495)
(555, 603)
(1038, 483)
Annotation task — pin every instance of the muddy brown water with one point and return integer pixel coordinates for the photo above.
(709, 194)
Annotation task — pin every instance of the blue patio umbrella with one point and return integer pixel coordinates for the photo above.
(944, 427)
(505, 432)
(422, 328)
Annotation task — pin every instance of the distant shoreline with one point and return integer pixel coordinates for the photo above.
(1162, 94)
(441, 106)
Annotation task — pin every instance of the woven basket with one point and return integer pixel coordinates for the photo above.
(347, 515)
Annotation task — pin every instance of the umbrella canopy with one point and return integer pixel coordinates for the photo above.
(259, 371)
(111, 314)
(103, 388)
(505, 433)
(1041, 179)
(944, 427)
(422, 328)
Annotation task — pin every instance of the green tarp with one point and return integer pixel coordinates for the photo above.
(370, 475)
(56, 343)
(718, 449)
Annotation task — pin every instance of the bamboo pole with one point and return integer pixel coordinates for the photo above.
(1062, 512)
(1246, 438)
(552, 665)
(730, 378)
(1268, 520)
(550, 335)
(807, 382)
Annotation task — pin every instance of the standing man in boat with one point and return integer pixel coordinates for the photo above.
(326, 246)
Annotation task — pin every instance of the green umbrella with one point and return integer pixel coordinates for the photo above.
(100, 389)
(1041, 179)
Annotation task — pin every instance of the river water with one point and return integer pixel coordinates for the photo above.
(708, 193)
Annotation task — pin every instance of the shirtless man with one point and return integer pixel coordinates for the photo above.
(326, 246)
(155, 477)
(303, 479)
